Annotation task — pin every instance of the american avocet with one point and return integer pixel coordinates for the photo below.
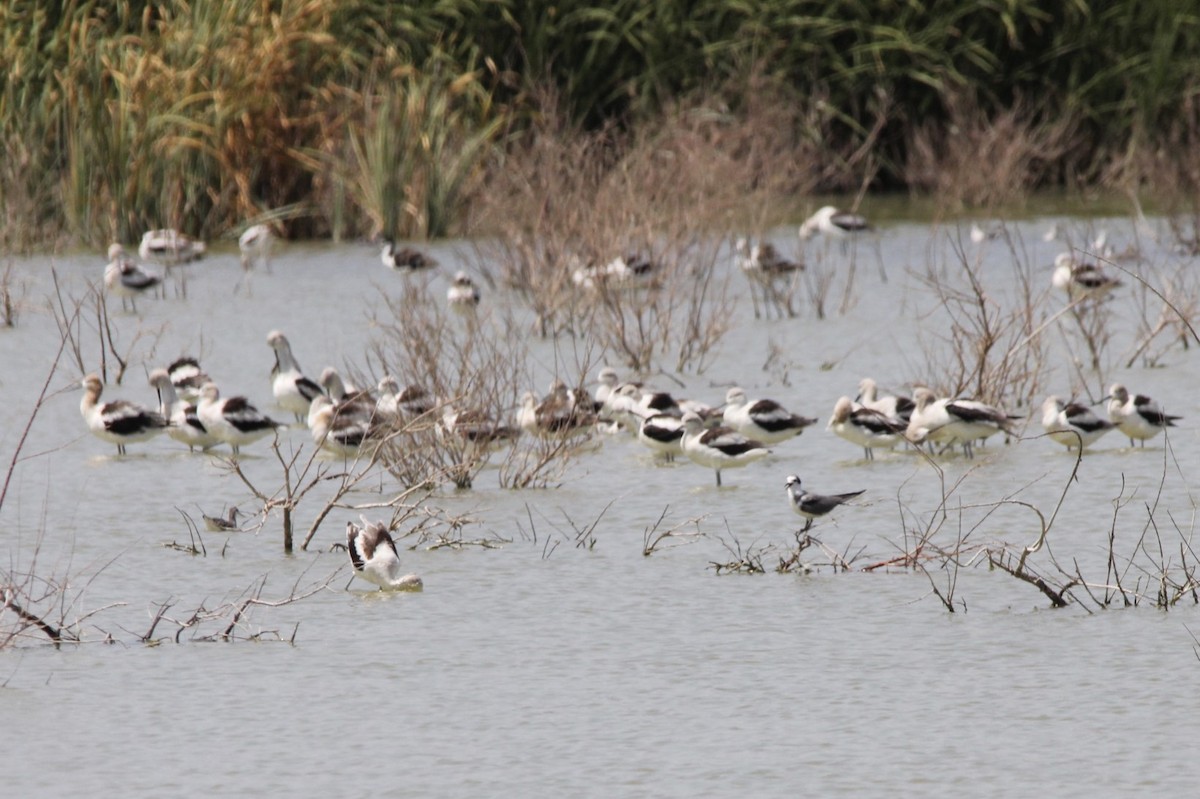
(374, 558)
(1081, 281)
(624, 271)
(979, 234)
(222, 524)
(663, 435)
(342, 433)
(186, 427)
(118, 422)
(866, 427)
(187, 377)
(813, 506)
(255, 245)
(123, 277)
(954, 421)
(293, 391)
(555, 416)
(762, 420)
(762, 262)
(893, 406)
(830, 221)
(348, 401)
(170, 247)
(463, 294)
(719, 447)
(405, 259)
(475, 427)
(1072, 425)
(232, 420)
(1138, 416)
(407, 401)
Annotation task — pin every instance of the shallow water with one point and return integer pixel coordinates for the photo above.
(541, 668)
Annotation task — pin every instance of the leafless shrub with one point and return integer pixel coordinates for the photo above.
(744, 561)
(654, 538)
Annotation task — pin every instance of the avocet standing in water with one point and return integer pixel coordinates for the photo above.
(293, 391)
(463, 294)
(1081, 280)
(186, 427)
(719, 447)
(123, 277)
(374, 558)
(187, 377)
(405, 259)
(1072, 425)
(1138, 416)
(169, 247)
(866, 427)
(762, 420)
(118, 422)
(954, 421)
(232, 420)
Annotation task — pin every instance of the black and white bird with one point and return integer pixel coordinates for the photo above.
(124, 278)
(813, 506)
(866, 427)
(662, 434)
(396, 401)
(1072, 425)
(255, 244)
(187, 377)
(1081, 280)
(186, 427)
(762, 262)
(893, 406)
(405, 259)
(232, 420)
(463, 294)
(762, 420)
(719, 447)
(169, 247)
(293, 391)
(954, 421)
(343, 432)
(833, 222)
(118, 422)
(1137, 416)
(632, 270)
(374, 558)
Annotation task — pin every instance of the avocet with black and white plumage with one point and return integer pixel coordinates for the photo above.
(169, 247)
(831, 221)
(662, 434)
(1138, 416)
(118, 422)
(1072, 425)
(374, 558)
(186, 427)
(187, 377)
(633, 270)
(866, 427)
(293, 391)
(399, 401)
(124, 278)
(719, 447)
(1081, 280)
(463, 294)
(405, 259)
(892, 405)
(762, 420)
(954, 421)
(339, 432)
(233, 420)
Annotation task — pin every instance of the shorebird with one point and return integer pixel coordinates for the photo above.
(830, 221)
(219, 524)
(374, 558)
(866, 427)
(719, 447)
(1081, 281)
(892, 406)
(118, 422)
(1072, 425)
(255, 245)
(187, 377)
(624, 271)
(170, 247)
(663, 435)
(123, 277)
(557, 415)
(395, 401)
(463, 294)
(762, 420)
(232, 420)
(405, 259)
(813, 506)
(1138, 417)
(341, 433)
(293, 391)
(186, 427)
(762, 262)
(954, 421)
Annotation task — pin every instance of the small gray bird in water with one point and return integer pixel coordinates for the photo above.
(812, 506)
